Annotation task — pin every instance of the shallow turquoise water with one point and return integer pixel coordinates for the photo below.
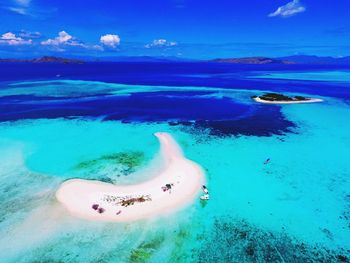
(77, 88)
(328, 76)
(296, 208)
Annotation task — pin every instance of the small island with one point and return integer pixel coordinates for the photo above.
(253, 60)
(45, 59)
(276, 98)
(175, 185)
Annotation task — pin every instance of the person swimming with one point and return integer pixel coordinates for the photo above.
(267, 161)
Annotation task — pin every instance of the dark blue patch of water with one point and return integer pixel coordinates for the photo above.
(221, 115)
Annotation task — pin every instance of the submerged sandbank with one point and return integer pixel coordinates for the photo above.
(84, 198)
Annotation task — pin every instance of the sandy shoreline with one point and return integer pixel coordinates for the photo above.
(186, 177)
(257, 99)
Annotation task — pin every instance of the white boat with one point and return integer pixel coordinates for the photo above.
(205, 189)
(204, 197)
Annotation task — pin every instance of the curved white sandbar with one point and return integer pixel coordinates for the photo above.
(311, 100)
(185, 176)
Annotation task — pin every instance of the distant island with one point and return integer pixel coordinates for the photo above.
(310, 59)
(276, 98)
(253, 60)
(45, 59)
(257, 60)
(295, 59)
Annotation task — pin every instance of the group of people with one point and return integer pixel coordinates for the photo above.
(124, 201)
(101, 210)
(167, 187)
(98, 208)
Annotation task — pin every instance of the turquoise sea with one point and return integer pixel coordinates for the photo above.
(296, 208)
(333, 76)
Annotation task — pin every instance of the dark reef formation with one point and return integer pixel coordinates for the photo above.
(122, 164)
(266, 121)
(237, 241)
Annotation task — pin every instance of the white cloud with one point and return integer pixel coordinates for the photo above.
(22, 2)
(110, 40)
(18, 10)
(19, 6)
(292, 8)
(11, 39)
(62, 38)
(161, 43)
(29, 34)
(97, 47)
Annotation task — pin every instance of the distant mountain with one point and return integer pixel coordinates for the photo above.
(297, 59)
(253, 60)
(305, 59)
(80, 60)
(138, 59)
(51, 59)
(45, 59)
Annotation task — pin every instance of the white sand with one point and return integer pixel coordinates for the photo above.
(309, 100)
(78, 196)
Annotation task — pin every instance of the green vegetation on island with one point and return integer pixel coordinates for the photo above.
(279, 97)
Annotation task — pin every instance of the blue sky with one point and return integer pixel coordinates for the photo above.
(183, 28)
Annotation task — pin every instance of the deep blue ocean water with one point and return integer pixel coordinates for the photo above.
(177, 74)
(17, 102)
(55, 117)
